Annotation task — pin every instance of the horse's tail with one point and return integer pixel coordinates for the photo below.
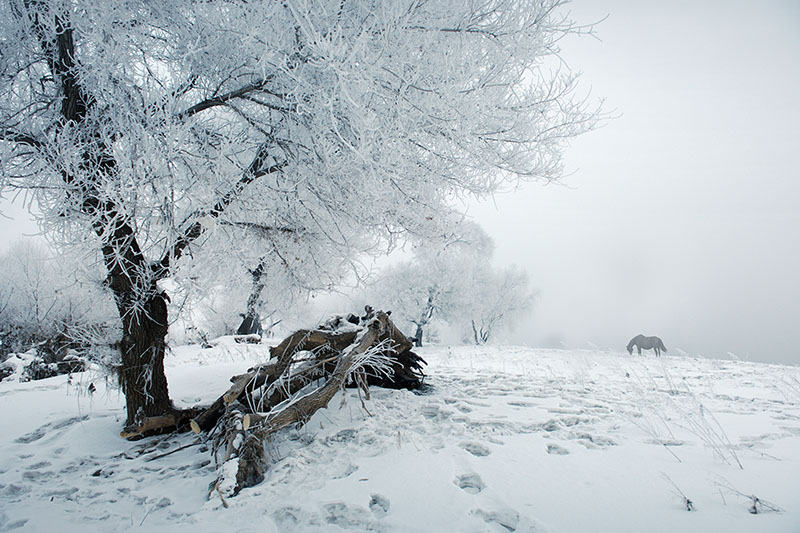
(661, 343)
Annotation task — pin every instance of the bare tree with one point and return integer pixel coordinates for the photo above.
(437, 282)
(452, 280)
(140, 127)
(43, 300)
(500, 298)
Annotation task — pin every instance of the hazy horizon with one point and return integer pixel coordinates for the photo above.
(679, 217)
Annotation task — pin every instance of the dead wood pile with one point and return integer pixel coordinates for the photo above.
(302, 375)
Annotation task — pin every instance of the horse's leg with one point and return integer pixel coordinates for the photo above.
(639, 348)
(655, 349)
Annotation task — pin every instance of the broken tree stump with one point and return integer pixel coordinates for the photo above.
(318, 362)
(312, 354)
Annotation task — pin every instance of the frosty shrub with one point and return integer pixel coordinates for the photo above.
(51, 307)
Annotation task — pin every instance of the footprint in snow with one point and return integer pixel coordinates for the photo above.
(46, 428)
(13, 492)
(430, 411)
(506, 519)
(15, 524)
(289, 517)
(379, 505)
(471, 483)
(555, 449)
(345, 435)
(593, 442)
(343, 472)
(478, 450)
(348, 516)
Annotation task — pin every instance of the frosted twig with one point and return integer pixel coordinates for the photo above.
(678, 492)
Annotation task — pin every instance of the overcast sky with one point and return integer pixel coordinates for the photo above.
(681, 217)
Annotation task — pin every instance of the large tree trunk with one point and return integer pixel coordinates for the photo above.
(142, 374)
(141, 305)
(131, 276)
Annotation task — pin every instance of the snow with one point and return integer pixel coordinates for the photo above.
(15, 365)
(504, 439)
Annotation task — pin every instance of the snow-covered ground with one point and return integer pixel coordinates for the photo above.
(504, 439)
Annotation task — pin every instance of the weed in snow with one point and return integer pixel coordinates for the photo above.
(757, 505)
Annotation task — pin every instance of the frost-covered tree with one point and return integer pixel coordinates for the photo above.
(44, 300)
(499, 299)
(438, 282)
(141, 126)
(452, 280)
(234, 285)
(275, 266)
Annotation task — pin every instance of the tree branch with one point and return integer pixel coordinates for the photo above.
(260, 228)
(223, 98)
(195, 228)
(21, 138)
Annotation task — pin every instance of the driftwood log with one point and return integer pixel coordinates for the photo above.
(303, 374)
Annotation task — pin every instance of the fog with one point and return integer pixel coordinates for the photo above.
(679, 217)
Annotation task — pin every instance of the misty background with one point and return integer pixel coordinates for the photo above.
(677, 218)
(680, 217)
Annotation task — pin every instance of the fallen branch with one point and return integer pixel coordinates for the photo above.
(159, 424)
(271, 385)
(179, 448)
(306, 371)
(206, 419)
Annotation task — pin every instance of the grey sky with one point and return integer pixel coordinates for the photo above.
(15, 221)
(681, 218)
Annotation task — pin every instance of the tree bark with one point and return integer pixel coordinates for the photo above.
(142, 373)
(418, 336)
(427, 314)
(251, 322)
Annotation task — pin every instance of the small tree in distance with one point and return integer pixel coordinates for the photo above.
(45, 301)
(500, 299)
(141, 126)
(453, 281)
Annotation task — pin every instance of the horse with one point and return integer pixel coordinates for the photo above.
(646, 343)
